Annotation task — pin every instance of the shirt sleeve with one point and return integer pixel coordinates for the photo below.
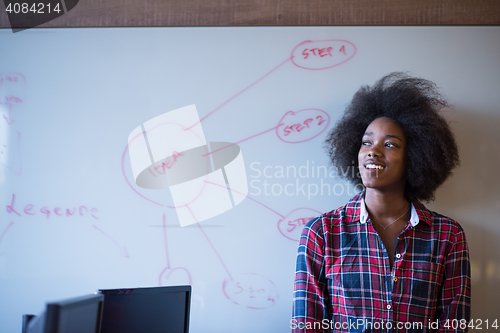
(310, 300)
(453, 308)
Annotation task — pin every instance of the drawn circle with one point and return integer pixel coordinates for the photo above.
(137, 189)
(292, 224)
(250, 290)
(297, 56)
(302, 125)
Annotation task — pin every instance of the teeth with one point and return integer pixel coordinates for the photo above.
(374, 166)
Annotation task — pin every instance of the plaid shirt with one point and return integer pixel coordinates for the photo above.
(344, 282)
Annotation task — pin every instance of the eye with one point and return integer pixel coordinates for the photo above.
(390, 145)
(365, 143)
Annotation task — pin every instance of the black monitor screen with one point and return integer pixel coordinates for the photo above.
(158, 309)
(74, 315)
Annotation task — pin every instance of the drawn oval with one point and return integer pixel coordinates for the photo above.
(302, 125)
(156, 197)
(251, 290)
(322, 54)
(292, 224)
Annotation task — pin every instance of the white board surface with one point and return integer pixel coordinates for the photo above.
(73, 221)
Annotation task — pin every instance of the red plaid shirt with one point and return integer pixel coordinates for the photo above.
(344, 282)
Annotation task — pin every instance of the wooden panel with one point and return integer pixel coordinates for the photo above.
(124, 13)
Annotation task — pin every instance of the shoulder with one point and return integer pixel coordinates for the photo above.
(439, 226)
(445, 222)
(449, 230)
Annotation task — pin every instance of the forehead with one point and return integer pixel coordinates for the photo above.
(385, 127)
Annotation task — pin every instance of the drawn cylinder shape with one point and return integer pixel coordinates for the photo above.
(204, 180)
(226, 181)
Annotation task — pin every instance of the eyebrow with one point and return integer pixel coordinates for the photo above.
(387, 136)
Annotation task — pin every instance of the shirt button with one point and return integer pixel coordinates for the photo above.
(398, 256)
(388, 306)
(395, 279)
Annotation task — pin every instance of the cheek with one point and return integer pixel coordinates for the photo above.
(360, 156)
(402, 166)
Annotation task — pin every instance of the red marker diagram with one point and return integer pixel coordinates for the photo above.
(247, 289)
(122, 249)
(296, 127)
(293, 127)
(49, 212)
(10, 150)
(12, 92)
(322, 54)
(54, 212)
(172, 276)
(186, 164)
(2, 235)
(251, 290)
(302, 125)
(292, 224)
(153, 176)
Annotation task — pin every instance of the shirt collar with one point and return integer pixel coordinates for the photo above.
(363, 214)
(353, 209)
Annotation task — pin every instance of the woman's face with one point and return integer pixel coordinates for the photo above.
(381, 157)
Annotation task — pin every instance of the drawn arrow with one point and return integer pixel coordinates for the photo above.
(248, 197)
(209, 242)
(122, 249)
(239, 93)
(5, 231)
(250, 137)
(168, 271)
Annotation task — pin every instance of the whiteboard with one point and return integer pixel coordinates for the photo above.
(72, 219)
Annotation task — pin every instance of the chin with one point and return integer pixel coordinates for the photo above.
(374, 184)
(371, 182)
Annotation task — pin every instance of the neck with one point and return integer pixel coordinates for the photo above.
(385, 206)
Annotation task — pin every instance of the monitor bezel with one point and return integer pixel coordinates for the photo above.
(49, 320)
(154, 290)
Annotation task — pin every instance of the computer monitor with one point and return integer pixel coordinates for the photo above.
(75, 315)
(156, 309)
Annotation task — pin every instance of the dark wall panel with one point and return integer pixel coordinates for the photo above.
(124, 13)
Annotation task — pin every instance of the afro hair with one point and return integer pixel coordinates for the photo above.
(413, 103)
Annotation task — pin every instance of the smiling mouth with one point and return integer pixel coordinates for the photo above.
(374, 167)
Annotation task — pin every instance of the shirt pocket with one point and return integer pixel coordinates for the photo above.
(423, 285)
(347, 279)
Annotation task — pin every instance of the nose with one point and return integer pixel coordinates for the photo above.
(374, 151)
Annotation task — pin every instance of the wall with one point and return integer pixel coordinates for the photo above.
(147, 13)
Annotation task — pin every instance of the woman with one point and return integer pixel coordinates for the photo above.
(383, 262)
